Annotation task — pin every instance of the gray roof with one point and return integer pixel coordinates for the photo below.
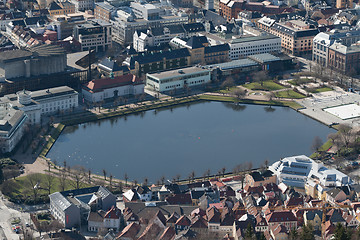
(12, 118)
(60, 200)
(294, 32)
(52, 92)
(240, 63)
(264, 57)
(253, 39)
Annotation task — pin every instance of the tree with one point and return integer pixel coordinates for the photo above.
(238, 93)
(104, 173)
(260, 77)
(293, 234)
(307, 232)
(62, 179)
(229, 82)
(178, 177)
(126, 177)
(78, 174)
(345, 133)
(33, 181)
(162, 180)
(192, 176)
(266, 163)
(249, 232)
(110, 180)
(223, 171)
(49, 181)
(316, 144)
(341, 233)
(146, 181)
(89, 175)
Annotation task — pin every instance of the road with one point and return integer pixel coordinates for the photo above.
(7, 214)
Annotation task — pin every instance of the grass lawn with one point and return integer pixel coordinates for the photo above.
(323, 148)
(225, 90)
(20, 188)
(267, 86)
(300, 81)
(319, 90)
(289, 94)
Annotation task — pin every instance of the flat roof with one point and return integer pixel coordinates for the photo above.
(264, 57)
(234, 64)
(52, 92)
(253, 39)
(179, 72)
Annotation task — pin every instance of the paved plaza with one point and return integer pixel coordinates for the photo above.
(333, 107)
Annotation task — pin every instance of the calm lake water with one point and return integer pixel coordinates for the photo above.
(201, 136)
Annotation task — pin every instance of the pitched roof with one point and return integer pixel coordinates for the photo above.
(181, 198)
(217, 48)
(281, 216)
(196, 42)
(129, 231)
(113, 213)
(183, 221)
(168, 234)
(99, 85)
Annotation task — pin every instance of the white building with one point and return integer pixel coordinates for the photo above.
(96, 34)
(43, 102)
(12, 127)
(156, 36)
(100, 89)
(297, 170)
(82, 5)
(178, 79)
(242, 47)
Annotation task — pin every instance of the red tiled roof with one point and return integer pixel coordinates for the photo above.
(281, 216)
(129, 231)
(113, 213)
(183, 221)
(105, 83)
(168, 234)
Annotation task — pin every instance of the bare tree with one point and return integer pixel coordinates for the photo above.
(49, 182)
(62, 179)
(126, 177)
(266, 163)
(33, 181)
(146, 181)
(192, 176)
(260, 77)
(104, 173)
(78, 174)
(89, 175)
(162, 180)
(177, 177)
(239, 93)
(223, 171)
(229, 82)
(316, 144)
(345, 133)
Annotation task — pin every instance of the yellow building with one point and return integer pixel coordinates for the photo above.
(61, 8)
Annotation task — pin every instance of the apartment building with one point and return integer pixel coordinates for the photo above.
(95, 34)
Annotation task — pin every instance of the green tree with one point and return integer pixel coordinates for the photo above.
(307, 233)
(341, 233)
(249, 232)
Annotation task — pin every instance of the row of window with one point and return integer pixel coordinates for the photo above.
(172, 86)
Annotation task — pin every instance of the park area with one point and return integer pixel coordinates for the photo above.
(289, 94)
(265, 86)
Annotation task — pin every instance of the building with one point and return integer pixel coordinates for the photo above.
(104, 11)
(113, 87)
(178, 79)
(73, 207)
(39, 60)
(201, 51)
(324, 40)
(255, 179)
(95, 34)
(244, 46)
(38, 103)
(285, 218)
(156, 36)
(124, 25)
(12, 127)
(158, 61)
(341, 4)
(82, 5)
(296, 36)
(110, 68)
(297, 170)
(61, 8)
(345, 59)
(102, 219)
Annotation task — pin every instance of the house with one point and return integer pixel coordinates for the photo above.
(313, 217)
(285, 218)
(100, 89)
(256, 178)
(182, 223)
(144, 192)
(261, 224)
(101, 219)
(279, 232)
(110, 68)
(335, 196)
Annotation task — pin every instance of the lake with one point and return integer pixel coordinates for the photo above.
(200, 136)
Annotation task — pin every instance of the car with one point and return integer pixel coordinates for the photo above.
(27, 224)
